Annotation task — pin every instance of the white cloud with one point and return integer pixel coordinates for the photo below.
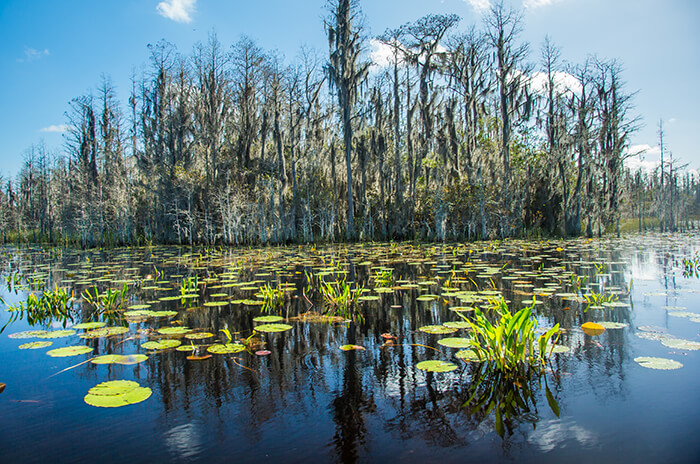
(554, 433)
(381, 55)
(56, 128)
(538, 3)
(178, 10)
(644, 157)
(563, 83)
(480, 5)
(672, 120)
(32, 54)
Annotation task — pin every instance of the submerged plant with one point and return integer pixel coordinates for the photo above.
(510, 344)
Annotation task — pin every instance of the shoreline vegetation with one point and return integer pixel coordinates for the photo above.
(461, 132)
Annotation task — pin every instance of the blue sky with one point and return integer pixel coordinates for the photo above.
(53, 51)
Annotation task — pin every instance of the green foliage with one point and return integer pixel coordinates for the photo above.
(189, 285)
(272, 296)
(341, 298)
(597, 299)
(384, 277)
(509, 343)
(691, 267)
(50, 306)
(109, 301)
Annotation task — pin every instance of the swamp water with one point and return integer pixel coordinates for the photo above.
(290, 393)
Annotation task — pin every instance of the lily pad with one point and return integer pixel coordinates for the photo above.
(226, 349)
(268, 319)
(198, 335)
(467, 355)
(592, 329)
(680, 344)
(57, 334)
(608, 325)
(437, 329)
(69, 351)
(27, 334)
(104, 332)
(457, 325)
(161, 345)
(436, 366)
(658, 363)
(455, 342)
(216, 303)
(174, 330)
(90, 325)
(35, 345)
(117, 393)
(352, 347)
(273, 328)
(119, 359)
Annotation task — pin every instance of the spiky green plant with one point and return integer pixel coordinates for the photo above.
(341, 298)
(108, 301)
(273, 297)
(509, 343)
(51, 305)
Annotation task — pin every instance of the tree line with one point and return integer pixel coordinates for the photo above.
(459, 134)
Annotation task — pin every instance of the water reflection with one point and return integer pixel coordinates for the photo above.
(310, 400)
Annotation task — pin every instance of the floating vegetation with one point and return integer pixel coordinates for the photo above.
(352, 348)
(161, 344)
(68, 351)
(56, 305)
(680, 344)
(436, 366)
(593, 329)
(609, 325)
(117, 393)
(128, 360)
(273, 297)
(35, 345)
(198, 335)
(27, 334)
(89, 325)
(104, 332)
(438, 329)
(268, 319)
(340, 297)
(108, 301)
(56, 334)
(269, 328)
(658, 363)
(455, 342)
(174, 330)
(467, 355)
(227, 348)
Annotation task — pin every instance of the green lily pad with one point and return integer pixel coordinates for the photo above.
(681, 344)
(687, 314)
(462, 309)
(27, 334)
(119, 359)
(455, 342)
(174, 330)
(186, 347)
(427, 298)
(467, 355)
(104, 332)
(437, 329)
(161, 345)
(139, 307)
(369, 298)
(226, 349)
(117, 393)
(612, 325)
(216, 303)
(69, 351)
(273, 328)
(57, 334)
(557, 349)
(436, 366)
(35, 345)
(457, 325)
(268, 319)
(658, 363)
(163, 313)
(90, 325)
(198, 335)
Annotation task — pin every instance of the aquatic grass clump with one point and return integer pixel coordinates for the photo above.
(691, 267)
(108, 301)
(510, 344)
(273, 297)
(341, 298)
(51, 305)
(596, 300)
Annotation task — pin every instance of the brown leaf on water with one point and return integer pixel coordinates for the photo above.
(2, 387)
(199, 358)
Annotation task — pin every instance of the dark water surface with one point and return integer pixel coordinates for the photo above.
(310, 401)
